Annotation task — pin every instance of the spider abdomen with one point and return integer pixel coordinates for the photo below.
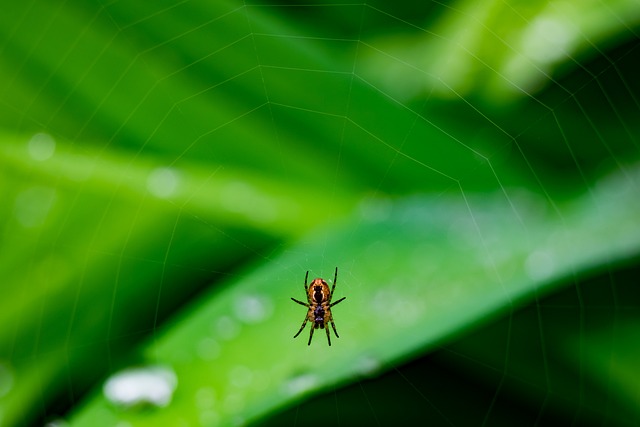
(319, 313)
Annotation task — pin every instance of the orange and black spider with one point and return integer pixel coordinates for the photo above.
(319, 305)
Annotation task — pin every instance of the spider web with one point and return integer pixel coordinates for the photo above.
(170, 146)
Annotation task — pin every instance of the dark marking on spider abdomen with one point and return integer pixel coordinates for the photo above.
(318, 313)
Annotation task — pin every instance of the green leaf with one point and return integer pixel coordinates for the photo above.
(415, 272)
(500, 50)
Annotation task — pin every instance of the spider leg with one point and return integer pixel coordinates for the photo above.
(311, 334)
(300, 302)
(334, 303)
(306, 319)
(328, 337)
(333, 325)
(335, 280)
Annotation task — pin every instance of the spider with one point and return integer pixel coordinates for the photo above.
(319, 305)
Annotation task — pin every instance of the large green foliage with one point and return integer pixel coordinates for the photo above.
(170, 171)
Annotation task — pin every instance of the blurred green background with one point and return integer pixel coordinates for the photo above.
(170, 170)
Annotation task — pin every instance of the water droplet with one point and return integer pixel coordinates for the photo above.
(209, 417)
(375, 209)
(153, 385)
(234, 402)
(253, 308)
(208, 349)
(261, 380)
(32, 206)
(380, 256)
(235, 195)
(401, 311)
(300, 384)
(238, 421)
(57, 423)
(367, 366)
(539, 265)
(226, 328)
(548, 39)
(41, 146)
(205, 397)
(6, 380)
(240, 376)
(240, 197)
(163, 182)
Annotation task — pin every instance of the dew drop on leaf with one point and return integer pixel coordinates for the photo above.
(152, 385)
(300, 384)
